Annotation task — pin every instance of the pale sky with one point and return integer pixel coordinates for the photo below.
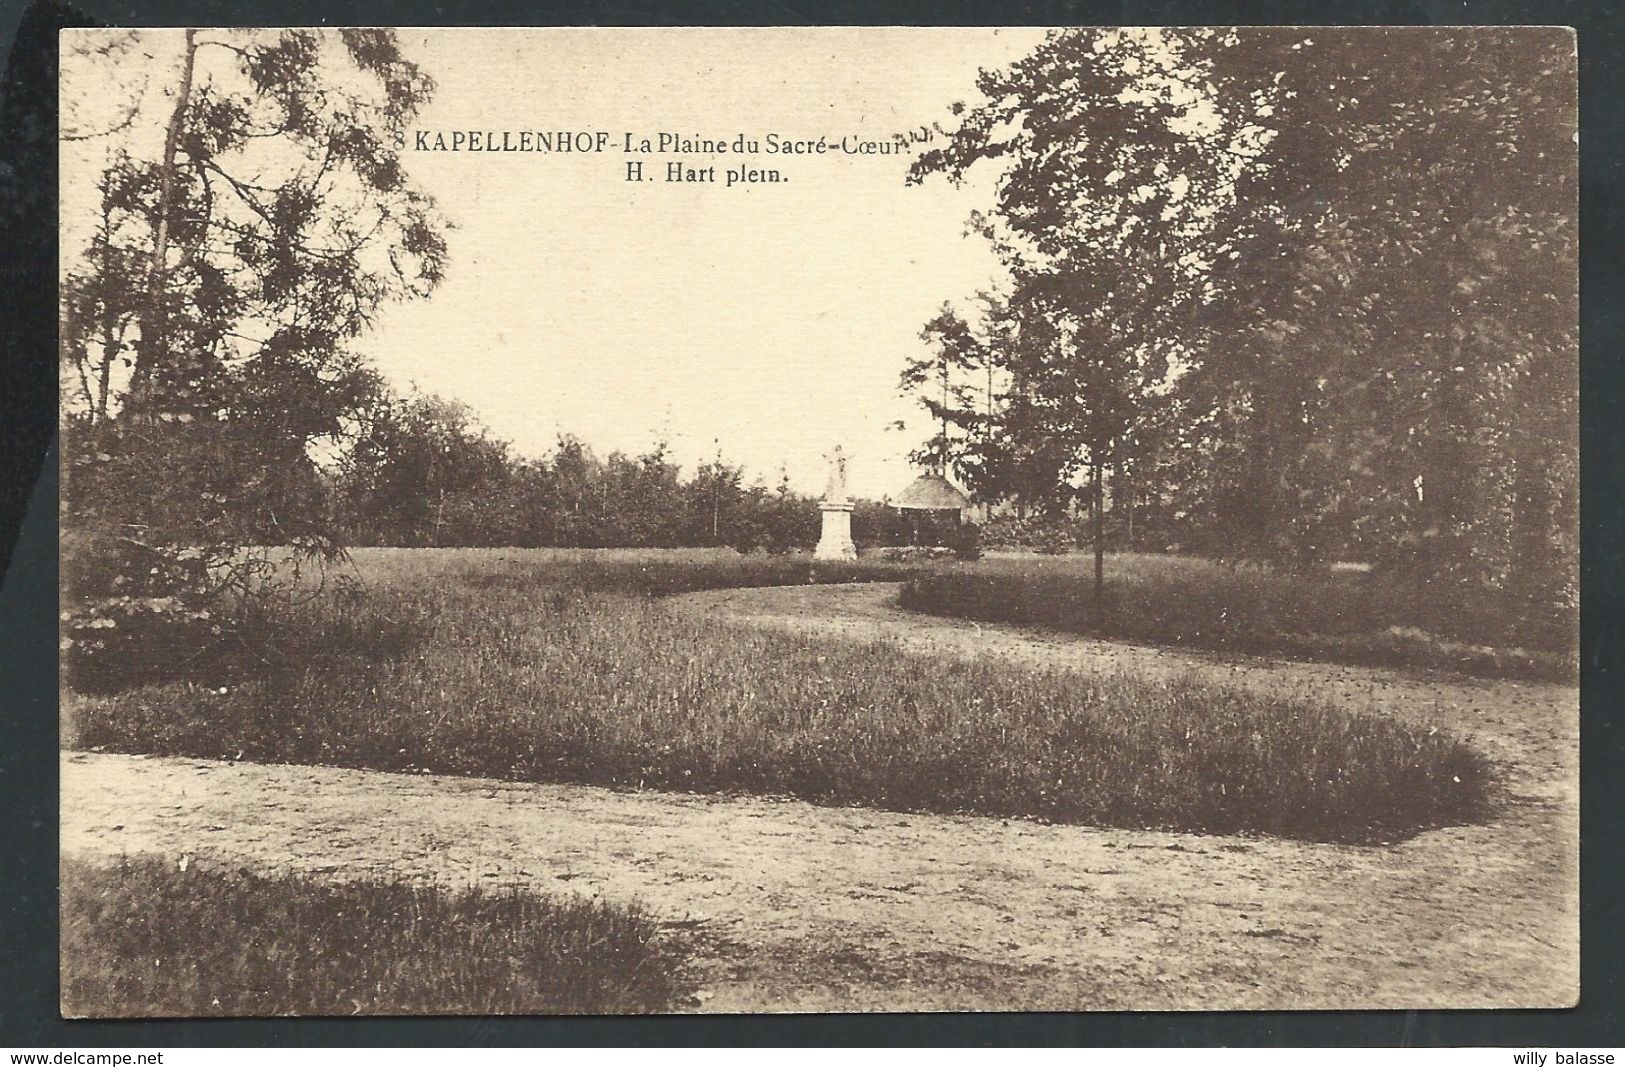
(771, 320)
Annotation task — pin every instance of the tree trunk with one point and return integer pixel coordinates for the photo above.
(1097, 517)
(1259, 501)
(1128, 498)
(153, 329)
(104, 383)
(1446, 422)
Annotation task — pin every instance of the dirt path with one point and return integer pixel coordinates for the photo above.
(849, 909)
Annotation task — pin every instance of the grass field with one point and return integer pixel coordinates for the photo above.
(1338, 617)
(564, 667)
(147, 938)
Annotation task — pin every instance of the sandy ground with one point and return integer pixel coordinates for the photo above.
(806, 908)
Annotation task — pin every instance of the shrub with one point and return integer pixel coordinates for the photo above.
(1054, 540)
(131, 613)
(1345, 617)
(115, 643)
(968, 543)
(1051, 536)
(916, 554)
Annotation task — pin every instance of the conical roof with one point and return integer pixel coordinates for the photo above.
(931, 492)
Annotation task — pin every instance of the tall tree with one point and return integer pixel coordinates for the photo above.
(994, 427)
(1346, 260)
(210, 326)
(1409, 277)
(1114, 198)
(423, 471)
(955, 385)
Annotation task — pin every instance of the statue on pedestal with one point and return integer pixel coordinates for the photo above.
(835, 490)
(836, 507)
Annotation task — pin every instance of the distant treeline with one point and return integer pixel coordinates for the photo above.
(423, 472)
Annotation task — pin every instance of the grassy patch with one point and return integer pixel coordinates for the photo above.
(650, 572)
(536, 669)
(142, 938)
(1339, 618)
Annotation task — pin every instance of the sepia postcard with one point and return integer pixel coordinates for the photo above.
(608, 521)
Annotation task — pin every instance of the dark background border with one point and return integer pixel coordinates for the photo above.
(28, 493)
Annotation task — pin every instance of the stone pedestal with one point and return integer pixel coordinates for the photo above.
(836, 542)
